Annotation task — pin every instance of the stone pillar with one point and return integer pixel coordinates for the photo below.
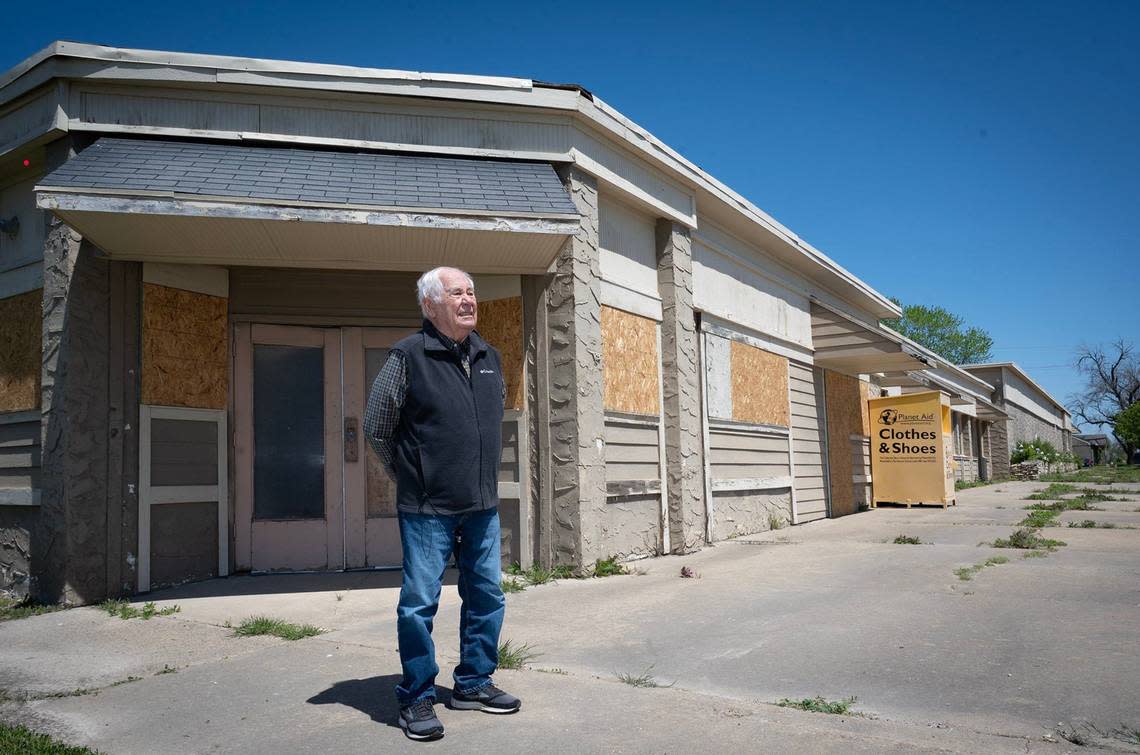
(684, 459)
(70, 542)
(568, 417)
(999, 450)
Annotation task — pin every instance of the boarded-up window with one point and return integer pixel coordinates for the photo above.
(759, 385)
(745, 383)
(185, 348)
(20, 334)
(629, 358)
(500, 324)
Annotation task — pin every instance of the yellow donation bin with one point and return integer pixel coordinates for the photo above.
(910, 449)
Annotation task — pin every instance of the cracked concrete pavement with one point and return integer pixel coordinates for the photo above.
(832, 608)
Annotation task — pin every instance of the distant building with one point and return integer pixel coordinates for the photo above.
(1033, 413)
(1091, 448)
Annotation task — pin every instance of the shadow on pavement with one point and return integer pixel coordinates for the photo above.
(374, 696)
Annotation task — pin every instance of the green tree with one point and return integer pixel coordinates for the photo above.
(944, 333)
(1127, 430)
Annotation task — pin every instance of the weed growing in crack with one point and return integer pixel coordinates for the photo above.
(608, 567)
(513, 656)
(125, 610)
(512, 585)
(1026, 539)
(819, 705)
(907, 540)
(644, 679)
(966, 573)
(265, 625)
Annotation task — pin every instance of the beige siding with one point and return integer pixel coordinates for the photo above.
(811, 488)
(631, 451)
(755, 463)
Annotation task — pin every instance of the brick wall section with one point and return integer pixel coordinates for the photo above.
(1025, 426)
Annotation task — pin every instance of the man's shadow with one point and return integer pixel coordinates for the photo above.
(375, 696)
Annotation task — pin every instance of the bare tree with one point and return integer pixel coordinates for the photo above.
(1112, 385)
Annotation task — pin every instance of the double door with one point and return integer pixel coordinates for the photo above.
(310, 492)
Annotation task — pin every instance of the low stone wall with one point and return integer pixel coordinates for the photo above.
(1032, 470)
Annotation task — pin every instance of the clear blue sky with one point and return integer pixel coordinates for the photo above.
(981, 156)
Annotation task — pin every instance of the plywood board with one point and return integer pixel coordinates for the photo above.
(846, 416)
(759, 386)
(629, 359)
(500, 324)
(22, 319)
(185, 348)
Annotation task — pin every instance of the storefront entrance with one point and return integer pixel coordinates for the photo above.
(310, 493)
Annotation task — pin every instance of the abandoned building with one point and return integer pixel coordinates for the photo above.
(205, 258)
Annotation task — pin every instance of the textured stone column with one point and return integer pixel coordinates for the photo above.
(999, 450)
(69, 545)
(684, 459)
(574, 386)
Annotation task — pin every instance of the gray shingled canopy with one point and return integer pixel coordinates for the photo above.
(309, 176)
(233, 204)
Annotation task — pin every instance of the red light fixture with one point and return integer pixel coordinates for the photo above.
(27, 162)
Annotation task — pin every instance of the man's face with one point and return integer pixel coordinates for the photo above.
(456, 315)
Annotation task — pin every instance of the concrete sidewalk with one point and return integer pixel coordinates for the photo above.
(832, 608)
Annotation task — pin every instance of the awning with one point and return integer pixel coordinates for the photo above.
(226, 204)
(845, 344)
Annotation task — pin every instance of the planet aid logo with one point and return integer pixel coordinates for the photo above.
(905, 434)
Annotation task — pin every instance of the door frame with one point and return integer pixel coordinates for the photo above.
(246, 335)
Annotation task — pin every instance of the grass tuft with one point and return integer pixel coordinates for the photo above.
(818, 705)
(966, 573)
(18, 739)
(255, 626)
(11, 608)
(1052, 493)
(608, 567)
(512, 585)
(1039, 518)
(124, 609)
(1103, 475)
(907, 540)
(644, 679)
(513, 656)
(775, 522)
(1026, 539)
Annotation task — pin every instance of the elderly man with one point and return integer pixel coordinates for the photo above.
(434, 416)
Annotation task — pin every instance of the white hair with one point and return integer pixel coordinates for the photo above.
(430, 286)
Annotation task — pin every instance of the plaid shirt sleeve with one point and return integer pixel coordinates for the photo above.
(385, 401)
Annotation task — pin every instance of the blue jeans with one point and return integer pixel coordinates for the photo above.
(428, 541)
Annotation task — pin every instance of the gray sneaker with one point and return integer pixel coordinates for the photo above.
(419, 722)
(490, 699)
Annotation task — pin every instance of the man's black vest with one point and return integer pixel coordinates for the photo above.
(449, 439)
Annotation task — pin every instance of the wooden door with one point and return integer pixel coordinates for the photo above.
(372, 531)
(289, 512)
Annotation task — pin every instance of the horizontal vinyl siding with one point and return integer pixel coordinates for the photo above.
(19, 453)
(811, 489)
(509, 462)
(632, 451)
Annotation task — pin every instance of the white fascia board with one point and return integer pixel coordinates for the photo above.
(476, 88)
(237, 63)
